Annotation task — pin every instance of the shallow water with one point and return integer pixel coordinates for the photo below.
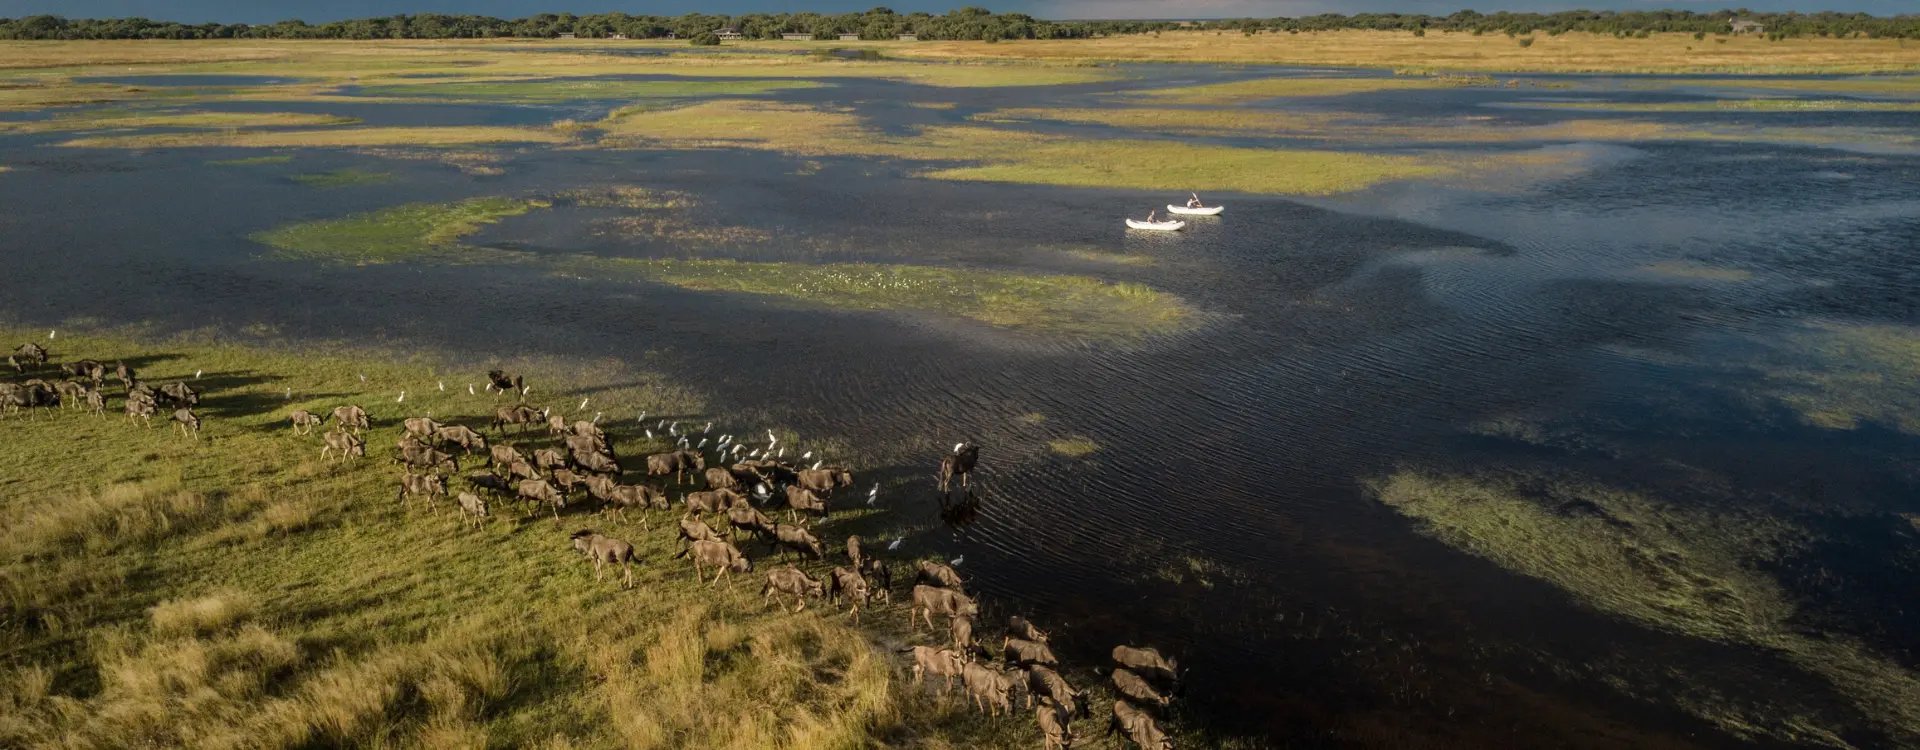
(1224, 514)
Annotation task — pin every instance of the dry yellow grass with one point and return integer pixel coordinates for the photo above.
(1269, 88)
(339, 138)
(195, 120)
(1572, 52)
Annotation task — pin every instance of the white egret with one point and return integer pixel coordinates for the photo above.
(895, 544)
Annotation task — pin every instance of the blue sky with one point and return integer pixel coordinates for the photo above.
(258, 11)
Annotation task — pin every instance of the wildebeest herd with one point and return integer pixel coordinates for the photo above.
(742, 497)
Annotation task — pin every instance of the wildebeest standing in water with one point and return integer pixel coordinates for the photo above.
(187, 422)
(1139, 726)
(304, 421)
(606, 550)
(959, 463)
(793, 581)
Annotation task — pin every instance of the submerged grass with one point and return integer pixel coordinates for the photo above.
(1075, 446)
(1735, 105)
(548, 91)
(339, 178)
(190, 120)
(334, 138)
(1683, 571)
(252, 161)
(398, 233)
(1237, 92)
(1010, 156)
(1843, 376)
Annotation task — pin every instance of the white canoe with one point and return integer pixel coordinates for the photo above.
(1207, 211)
(1163, 226)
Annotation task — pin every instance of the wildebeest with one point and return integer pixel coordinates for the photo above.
(429, 486)
(96, 401)
(1042, 680)
(720, 479)
(1056, 724)
(556, 425)
(743, 516)
(694, 530)
(28, 353)
(1139, 726)
(522, 470)
(848, 583)
(503, 455)
(500, 380)
(417, 455)
(179, 392)
(942, 662)
(337, 441)
(584, 428)
(85, 368)
(565, 480)
(802, 499)
(538, 491)
(481, 480)
(960, 632)
(1020, 627)
(473, 507)
(519, 415)
(598, 463)
(677, 463)
(460, 435)
(825, 479)
(350, 417)
(792, 581)
(798, 539)
(69, 392)
(1147, 661)
(721, 555)
(420, 427)
(939, 574)
(620, 497)
(548, 459)
(712, 501)
(606, 550)
(187, 422)
(1023, 651)
(1136, 688)
(304, 421)
(879, 578)
(959, 463)
(988, 687)
(929, 599)
(125, 374)
(584, 444)
(853, 552)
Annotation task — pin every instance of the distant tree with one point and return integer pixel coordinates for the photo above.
(705, 39)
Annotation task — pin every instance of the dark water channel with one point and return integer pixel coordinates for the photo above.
(1225, 514)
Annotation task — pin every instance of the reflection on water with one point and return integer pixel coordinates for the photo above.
(1660, 320)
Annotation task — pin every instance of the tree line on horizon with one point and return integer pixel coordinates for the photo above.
(963, 24)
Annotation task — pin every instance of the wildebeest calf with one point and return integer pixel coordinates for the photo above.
(474, 507)
(187, 422)
(304, 421)
(793, 581)
(605, 550)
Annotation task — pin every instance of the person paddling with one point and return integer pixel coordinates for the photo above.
(1151, 214)
(1195, 201)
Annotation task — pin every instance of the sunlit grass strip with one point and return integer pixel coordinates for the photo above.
(1271, 88)
(1733, 105)
(195, 120)
(252, 161)
(1040, 303)
(1076, 446)
(392, 234)
(1678, 570)
(546, 91)
(343, 178)
(340, 138)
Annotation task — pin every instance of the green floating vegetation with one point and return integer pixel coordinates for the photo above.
(629, 196)
(1039, 303)
(339, 178)
(1680, 269)
(391, 234)
(565, 90)
(1844, 375)
(1073, 446)
(1684, 571)
(252, 161)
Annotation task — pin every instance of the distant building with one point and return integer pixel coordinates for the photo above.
(1745, 26)
(849, 37)
(797, 37)
(729, 35)
(909, 37)
(618, 36)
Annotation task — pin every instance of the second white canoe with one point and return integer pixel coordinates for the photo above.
(1158, 226)
(1207, 211)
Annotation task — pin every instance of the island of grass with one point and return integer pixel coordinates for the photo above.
(1734, 105)
(240, 592)
(121, 120)
(1050, 304)
(331, 138)
(563, 90)
(339, 178)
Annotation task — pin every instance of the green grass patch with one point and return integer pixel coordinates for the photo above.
(252, 161)
(1038, 303)
(1735, 105)
(1075, 446)
(564, 90)
(1842, 376)
(460, 135)
(1237, 92)
(340, 178)
(1680, 570)
(399, 233)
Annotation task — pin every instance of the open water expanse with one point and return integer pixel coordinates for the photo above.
(1724, 327)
